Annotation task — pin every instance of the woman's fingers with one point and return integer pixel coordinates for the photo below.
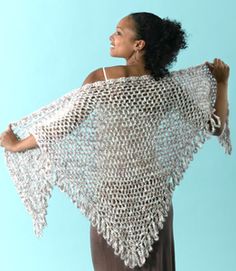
(220, 70)
(220, 62)
(8, 139)
(9, 129)
(7, 136)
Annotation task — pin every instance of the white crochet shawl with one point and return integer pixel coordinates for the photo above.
(117, 148)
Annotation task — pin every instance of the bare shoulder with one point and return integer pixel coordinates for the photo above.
(114, 72)
(111, 72)
(94, 76)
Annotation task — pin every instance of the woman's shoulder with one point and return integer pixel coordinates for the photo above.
(111, 72)
(114, 72)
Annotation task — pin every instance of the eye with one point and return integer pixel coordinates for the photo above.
(118, 32)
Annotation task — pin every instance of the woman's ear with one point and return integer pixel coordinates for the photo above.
(140, 44)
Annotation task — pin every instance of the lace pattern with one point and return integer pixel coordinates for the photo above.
(117, 148)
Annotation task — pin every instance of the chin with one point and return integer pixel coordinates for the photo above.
(113, 54)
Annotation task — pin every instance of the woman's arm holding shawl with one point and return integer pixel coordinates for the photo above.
(207, 85)
(56, 129)
(11, 143)
(221, 73)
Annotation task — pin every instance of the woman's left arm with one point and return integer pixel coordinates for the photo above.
(220, 71)
(221, 105)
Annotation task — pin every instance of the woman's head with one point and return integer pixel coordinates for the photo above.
(157, 40)
(124, 42)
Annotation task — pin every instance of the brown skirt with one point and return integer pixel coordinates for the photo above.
(161, 258)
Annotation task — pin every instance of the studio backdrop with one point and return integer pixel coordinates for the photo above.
(48, 48)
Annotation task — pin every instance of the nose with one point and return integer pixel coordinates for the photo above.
(111, 37)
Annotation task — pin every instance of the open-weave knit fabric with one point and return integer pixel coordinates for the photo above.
(118, 148)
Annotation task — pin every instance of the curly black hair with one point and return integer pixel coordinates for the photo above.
(163, 40)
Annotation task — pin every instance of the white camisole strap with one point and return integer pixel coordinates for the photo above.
(104, 73)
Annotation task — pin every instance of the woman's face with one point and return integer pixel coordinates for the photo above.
(123, 40)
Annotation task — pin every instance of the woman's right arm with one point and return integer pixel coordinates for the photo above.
(10, 142)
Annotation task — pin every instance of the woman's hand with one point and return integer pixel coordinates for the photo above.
(8, 140)
(220, 70)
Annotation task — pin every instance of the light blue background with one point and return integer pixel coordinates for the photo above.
(48, 48)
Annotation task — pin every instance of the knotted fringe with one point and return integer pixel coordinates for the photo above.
(137, 255)
(214, 121)
(224, 137)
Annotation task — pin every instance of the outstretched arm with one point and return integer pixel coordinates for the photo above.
(9, 141)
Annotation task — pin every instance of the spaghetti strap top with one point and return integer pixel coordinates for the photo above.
(104, 72)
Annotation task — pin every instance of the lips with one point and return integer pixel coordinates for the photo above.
(112, 45)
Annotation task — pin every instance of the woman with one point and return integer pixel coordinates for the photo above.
(149, 45)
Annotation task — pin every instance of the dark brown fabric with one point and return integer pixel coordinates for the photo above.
(161, 258)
